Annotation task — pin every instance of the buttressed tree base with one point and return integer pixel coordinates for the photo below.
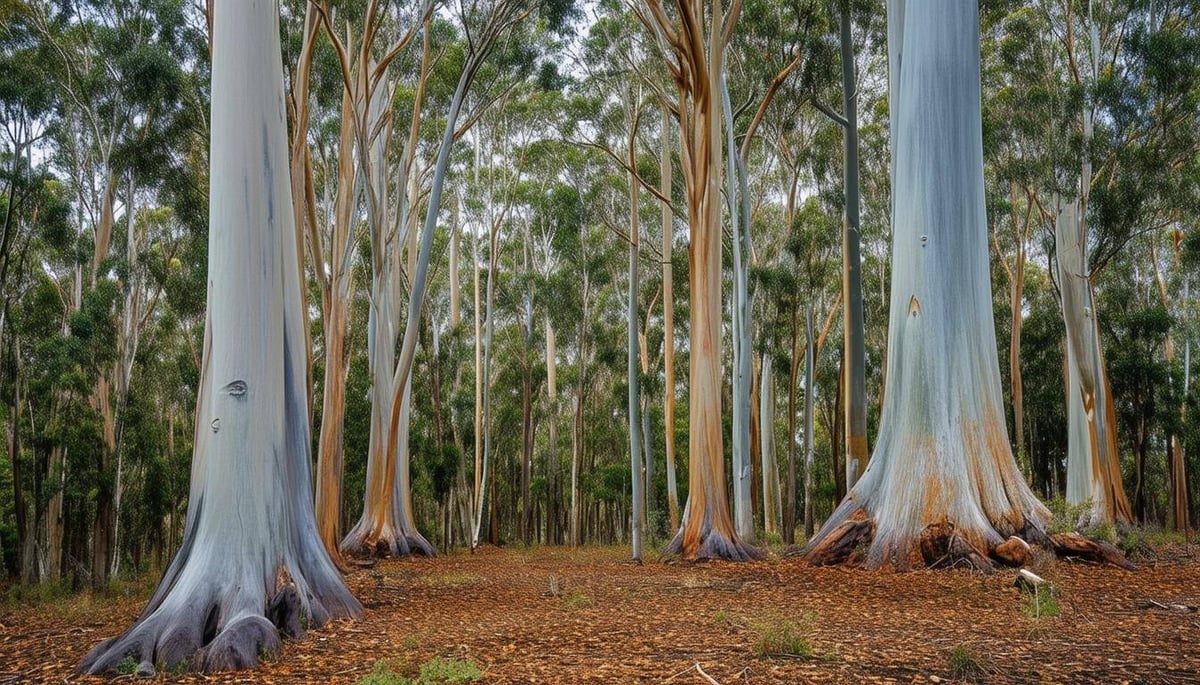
(251, 563)
(942, 484)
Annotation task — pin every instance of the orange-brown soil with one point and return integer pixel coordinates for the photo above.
(554, 615)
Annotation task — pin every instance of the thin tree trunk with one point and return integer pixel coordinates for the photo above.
(631, 371)
(857, 451)
(809, 393)
(743, 513)
(668, 243)
(769, 469)
(552, 416)
(789, 490)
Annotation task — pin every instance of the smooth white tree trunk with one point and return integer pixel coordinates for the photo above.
(1093, 462)
(769, 468)
(942, 467)
(250, 551)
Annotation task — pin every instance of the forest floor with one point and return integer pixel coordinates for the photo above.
(555, 615)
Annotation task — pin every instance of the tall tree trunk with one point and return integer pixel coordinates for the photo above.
(942, 482)
(1093, 460)
(333, 265)
(632, 346)
(250, 516)
(743, 513)
(854, 352)
(708, 529)
(552, 417)
(789, 490)
(668, 244)
(810, 390)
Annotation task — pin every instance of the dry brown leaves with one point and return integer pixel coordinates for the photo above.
(554, 615)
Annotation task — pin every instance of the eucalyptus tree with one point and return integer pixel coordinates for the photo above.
(942, 482)
(763, 80)
(694, 41)
(854, 344)
(251, 560)
(386, 524)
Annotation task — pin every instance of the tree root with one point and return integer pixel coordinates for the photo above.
(358, 546)
(1076, 546)
(841, 544)
(167, 640)
(942, 546)
(712, 544)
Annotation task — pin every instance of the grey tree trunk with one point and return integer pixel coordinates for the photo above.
(942, 482)
(250, 517)
(810, 390)
(635, 452)
(743, 513)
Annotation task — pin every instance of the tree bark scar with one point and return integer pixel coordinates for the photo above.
(235, 388)
(914, 306)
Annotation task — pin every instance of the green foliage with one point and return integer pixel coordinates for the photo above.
(127, 666)
(439, 671)
(382, 674)
(436, 671)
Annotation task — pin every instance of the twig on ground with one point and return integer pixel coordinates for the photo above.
(706, 676)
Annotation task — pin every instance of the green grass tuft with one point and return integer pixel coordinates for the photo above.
(780, 638)
(1042, 603)
(965, 665)
(576, 599)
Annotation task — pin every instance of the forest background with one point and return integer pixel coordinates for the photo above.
(519, 418)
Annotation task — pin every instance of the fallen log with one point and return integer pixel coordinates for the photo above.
(1074, 545)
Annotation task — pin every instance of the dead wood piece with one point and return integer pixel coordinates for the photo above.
(1028, 581)
(1014, 552)
(1074, 545)
(1164, 606)
(943, 546)
(841, 543)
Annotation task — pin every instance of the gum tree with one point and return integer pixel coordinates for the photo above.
(942, 482)
(696, 36)
(251, 560)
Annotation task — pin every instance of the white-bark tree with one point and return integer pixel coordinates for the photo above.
(251, 558)
(942, 482)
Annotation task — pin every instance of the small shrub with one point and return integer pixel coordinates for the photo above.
(1105, 532)
(721, 617)
(382, 674)
(127, 666)
(1066, 517)
(576, 599)
(45, 592)
(439, 671)
(780, 638)
(1042, 603)
(964, 665)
